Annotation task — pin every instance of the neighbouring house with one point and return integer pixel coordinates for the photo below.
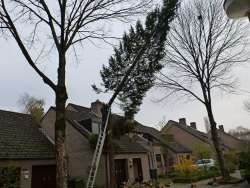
(232, 142)
(131, 158)
(175, 153)
(167, 151)
(188, 136)
(140, 154)
(198, 141)
(25, 150)
(243, 136)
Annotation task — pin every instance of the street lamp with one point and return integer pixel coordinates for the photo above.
(237, 8)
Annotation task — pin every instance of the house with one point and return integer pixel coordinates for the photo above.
(167, 152)
(188, 136)
(243, 136)
(131, 158)
(232, 142)
(25, 150)
(198, 141)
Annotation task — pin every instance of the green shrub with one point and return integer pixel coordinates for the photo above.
(194, 176)
(231, 160)
(76, 182)
(10, 177)
(162, 176)
(245, 163)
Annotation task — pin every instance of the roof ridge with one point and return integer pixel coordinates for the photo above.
(201, 135)
(17, 113)
(226, 133)
(78, 105)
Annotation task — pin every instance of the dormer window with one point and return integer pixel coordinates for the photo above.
(86, 124)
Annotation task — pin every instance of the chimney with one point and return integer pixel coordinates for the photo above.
(193, 125)
(96, 108)
(221, 128)
(182, 121)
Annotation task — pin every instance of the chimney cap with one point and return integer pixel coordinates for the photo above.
(182, 121)
(221, 128)
(193, 125)
(96, 108)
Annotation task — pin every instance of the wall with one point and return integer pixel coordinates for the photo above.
(25, 165)
(80, 157)
(186, 139)
(48, 123)
(78, 149)
(158, 150)
(231, 142)
(144, 161)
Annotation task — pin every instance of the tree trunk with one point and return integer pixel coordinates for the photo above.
(109, 148)
(216, 143)
(60, 125)
(111, 162)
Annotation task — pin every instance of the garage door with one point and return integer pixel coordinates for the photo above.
(43, 176)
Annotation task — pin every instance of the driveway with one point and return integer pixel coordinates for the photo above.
(203, 184)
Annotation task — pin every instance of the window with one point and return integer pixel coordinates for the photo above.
(158, 160)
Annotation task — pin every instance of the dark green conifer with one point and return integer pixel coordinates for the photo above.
(139, 57)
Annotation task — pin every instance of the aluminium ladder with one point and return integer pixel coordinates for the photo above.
(97, 154)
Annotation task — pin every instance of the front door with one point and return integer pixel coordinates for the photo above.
(120, 172)
(138, 170)
(43, 176)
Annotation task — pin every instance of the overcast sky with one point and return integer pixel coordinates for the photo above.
(17, 77)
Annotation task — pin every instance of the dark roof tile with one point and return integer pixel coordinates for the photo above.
(127, 145)
(20, 138)
(174, 146)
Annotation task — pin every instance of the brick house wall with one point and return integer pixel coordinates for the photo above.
(186, 139)
(231, 141)
(79, 152)
(25, 182)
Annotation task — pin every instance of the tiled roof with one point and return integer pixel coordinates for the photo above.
(123, 145)
(128, 145)
(20, 138)
(78, 116)
(148, 130)
(174, 145)
(198, 134)
(177, 147)
(80, 108)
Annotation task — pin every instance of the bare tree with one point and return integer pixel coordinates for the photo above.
(241, 133)
(202, 48)
(162, 123)
(65, 24)
(247, 105)
(207, 124)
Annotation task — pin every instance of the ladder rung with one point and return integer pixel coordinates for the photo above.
(97, 155)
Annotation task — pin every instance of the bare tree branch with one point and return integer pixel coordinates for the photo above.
(65, 23)
(202, 48)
